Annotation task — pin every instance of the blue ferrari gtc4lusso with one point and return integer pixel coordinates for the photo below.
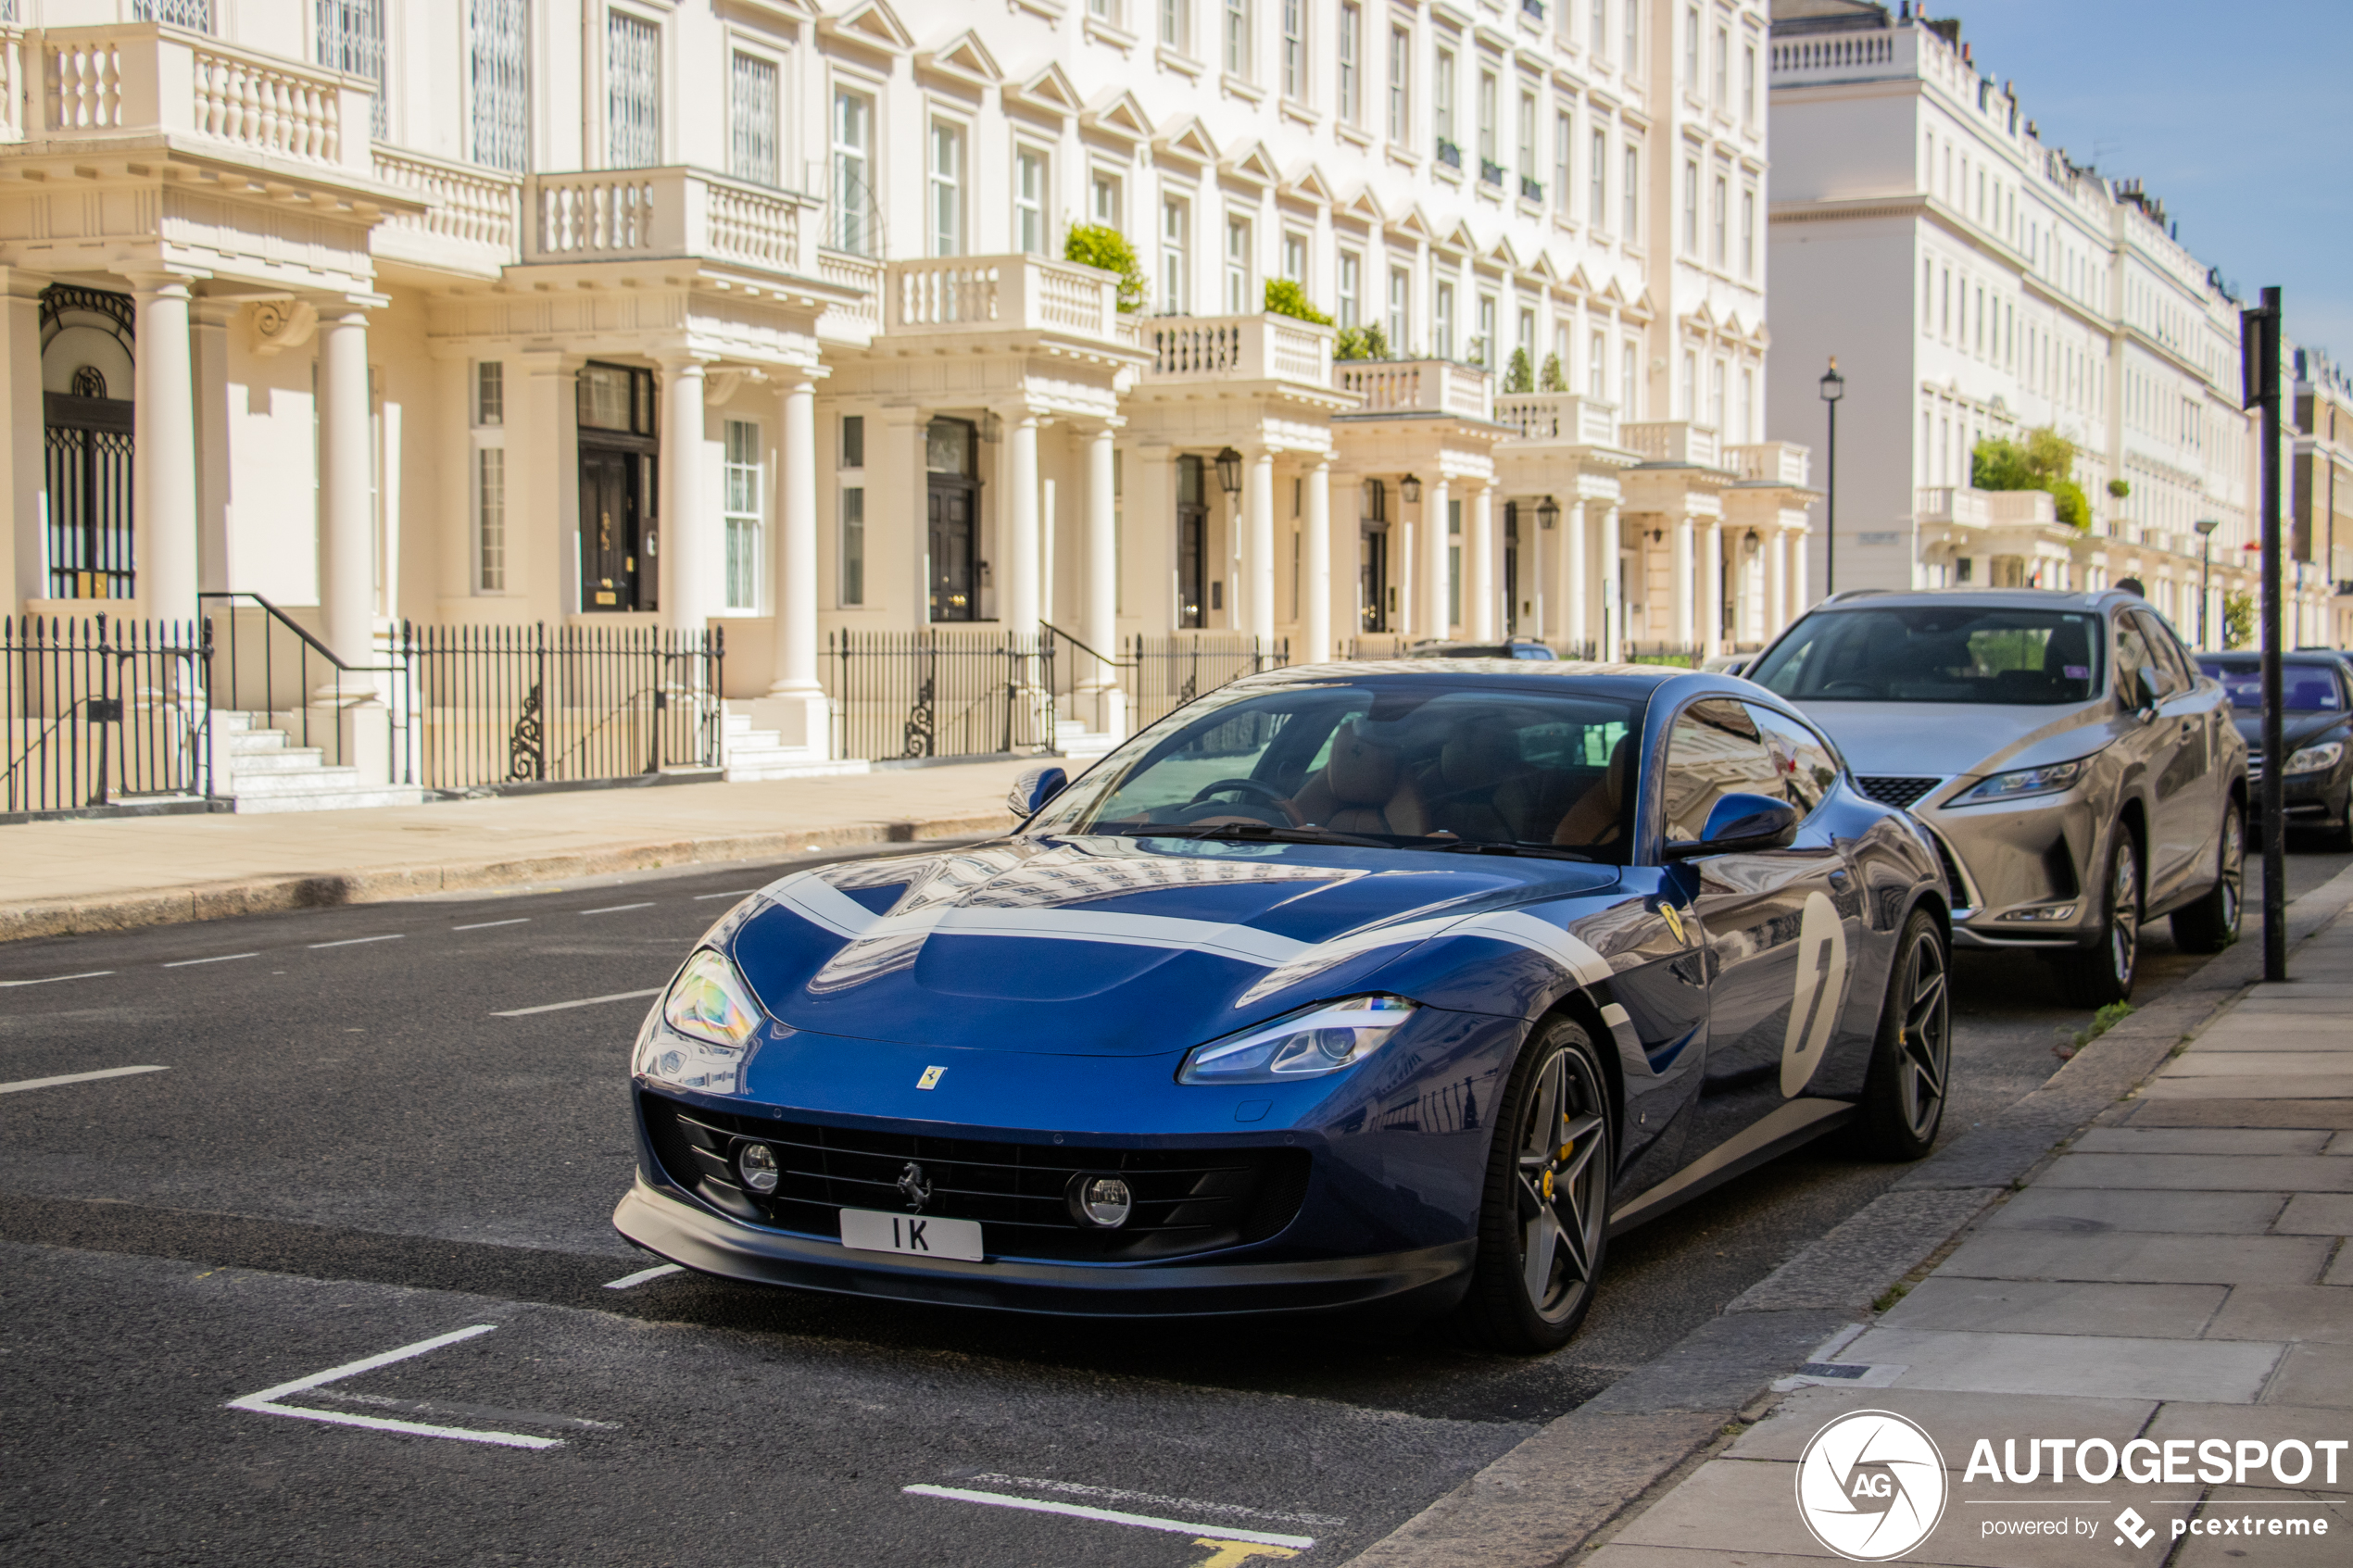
(1405, 983)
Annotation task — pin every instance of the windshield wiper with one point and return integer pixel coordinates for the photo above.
(1493, 846)
(1250, 831)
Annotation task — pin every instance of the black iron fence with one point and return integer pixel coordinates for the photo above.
(99, 713)
(272, 670)
(911, 694)
(1170, 672)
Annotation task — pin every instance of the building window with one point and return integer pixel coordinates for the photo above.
(1630, 380)
(1527, 144)
(1176, 18)
(1564, 144)
(854, 224)
(632, 91)
(1295, 256)
(1691, 51)
(1690, 209)
(1029, 200)
(1352, 269)
(1295, 50)
(1238, 300)
(1401, 294)
(947, 180)
(1722, 222)
(490, 477)
(1103, 201)
(1401, 69)
(1442, 89)
(1527, 337)
(752, 146)
(1723, 83)
(739, 489)
(1482, 350)
(1441, 322)
(1175, 220)
(490, 394)
(1597, 366)
(1632, 11)
(1748, 234)
(1598, 32)
(1748, 85)
(499, 55)
(1631, 190)
(1748, 405)
(1351, 43)
(351, 38)
(1690, 389)
(1238, 38)
(1486, 121)
(1597, 173)
(1715, 395)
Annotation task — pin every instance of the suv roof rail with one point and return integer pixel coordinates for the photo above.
(1854, 594)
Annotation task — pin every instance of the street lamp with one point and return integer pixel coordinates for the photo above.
(2206, 527)
(1410, 487)
(1833, 388)
(1548, 512)
(1229, 472)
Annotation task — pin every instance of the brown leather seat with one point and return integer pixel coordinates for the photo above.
(1477, 768)
(1363, 787)
(1598, 817)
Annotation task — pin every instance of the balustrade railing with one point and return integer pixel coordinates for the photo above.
(137, 78)
(1770, 462)
(1000, 294)
(1558, 416)
(1262, 348)
(473, 208)
(670, 211)
(1435, 387)
(1671, 441)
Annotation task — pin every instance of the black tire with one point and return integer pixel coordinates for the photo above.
(1905, 1092)
(2101, 973)
(2213, 923)
(1547, 1189)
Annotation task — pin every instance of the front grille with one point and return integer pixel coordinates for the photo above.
(1187, 1199)
(1898, 793)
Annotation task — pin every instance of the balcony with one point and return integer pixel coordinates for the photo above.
(1003, 294)
(627, 214)
(1415, 386)
(1677, 442)
(1490, 173)
(131, 80)
(1449, 154)
(1771, 462)
(1238, 348)
(1954, 506)
(469, 224)
(1530, 190)
(1558, 416)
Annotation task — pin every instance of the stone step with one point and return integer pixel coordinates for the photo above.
(285, 759)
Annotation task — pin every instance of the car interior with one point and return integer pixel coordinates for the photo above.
(2008, 658)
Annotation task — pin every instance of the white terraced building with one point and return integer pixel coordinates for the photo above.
(1973, 282)
(751, 315)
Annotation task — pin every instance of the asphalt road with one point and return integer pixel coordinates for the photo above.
(350, 1153)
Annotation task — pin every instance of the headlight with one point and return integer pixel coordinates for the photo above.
(707, 1019)
(2315, 759)
(1317, 1040)
(2027, 781)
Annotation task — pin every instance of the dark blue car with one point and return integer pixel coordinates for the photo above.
(1404, 983)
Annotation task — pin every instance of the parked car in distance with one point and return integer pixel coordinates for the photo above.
(2079, 772)
(2316, 726)
(1506, 648)
(1726, 663)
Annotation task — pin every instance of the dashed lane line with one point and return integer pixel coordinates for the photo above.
(617, 909)
(630, 1282)
(355, 941)
(583, 1002)
(485, 925)
(52, 979)
(76, 1078)
(217, 957)
(732, 893)
(265, 1403)
(1112, 1516)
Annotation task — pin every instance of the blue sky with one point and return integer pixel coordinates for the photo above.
(2238, 116)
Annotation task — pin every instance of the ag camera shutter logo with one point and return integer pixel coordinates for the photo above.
(1871, 1486)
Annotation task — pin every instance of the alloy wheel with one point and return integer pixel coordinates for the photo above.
(2235, 865)
(1927, 1040)
(2125, 912)
(1562, 1184)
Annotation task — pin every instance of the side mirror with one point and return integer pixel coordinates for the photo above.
(2150, 685)
(1034, 788)
(1741, 822)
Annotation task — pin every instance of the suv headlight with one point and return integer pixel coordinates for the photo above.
(2025, 782)
(708, 1018)
(1324, 1038)
(2315, 759)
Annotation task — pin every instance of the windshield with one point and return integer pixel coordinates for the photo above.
(1414, 763)
(1938, 653)
(2304, 689)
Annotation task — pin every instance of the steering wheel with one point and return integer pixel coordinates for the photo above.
(1859, 690)
(1265, 791)
(1269, 805)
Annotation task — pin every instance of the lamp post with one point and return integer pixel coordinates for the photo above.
(1410, 487)
(1548, 512)
(1229, 472)
(2206, 527)
(1833, 388)
(2259, 385)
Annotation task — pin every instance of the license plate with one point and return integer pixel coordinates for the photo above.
(914, 1235)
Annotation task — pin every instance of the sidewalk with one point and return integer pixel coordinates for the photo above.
(104, 874)
(2177, 1274)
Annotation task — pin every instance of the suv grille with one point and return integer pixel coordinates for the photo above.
(1187, 1199)
(1899, 793)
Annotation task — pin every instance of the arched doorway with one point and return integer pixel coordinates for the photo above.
(86, 367)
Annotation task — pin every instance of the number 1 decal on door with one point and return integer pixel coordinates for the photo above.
(1822, 993)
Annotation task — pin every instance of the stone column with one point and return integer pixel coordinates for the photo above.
(795, 706)
(1776, 581)
(346, 531)
(1800, 594)
(1479, 592)
(1711, 633)
(1575, 575)
(1686, 633)
(1315, 565)
(1099, 620)
(1612, 627)
(1432, 621)
(1017, 608)
(1258, 547)
(685, 558)
(164, 460)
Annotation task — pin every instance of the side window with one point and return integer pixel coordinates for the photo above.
(2173, 665)
(1716, 749)
(1803, 759)
(2133, 656)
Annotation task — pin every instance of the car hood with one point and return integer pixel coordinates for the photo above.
(1120, 947)
(1946, 739)
(2296, 729)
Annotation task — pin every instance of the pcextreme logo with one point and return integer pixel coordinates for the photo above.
(1871, 1486)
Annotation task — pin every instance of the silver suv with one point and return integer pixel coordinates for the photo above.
(2078, 770)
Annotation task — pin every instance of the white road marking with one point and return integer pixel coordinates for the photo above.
(738, 893)
(355, 941)
(265, 1402)
(1112, 1516)
(583, 1002)
(76, 1078)
(485, 925)
(1120, 1493)
(627, 1281)
(52, 979)
(616, 909)
(217, 957)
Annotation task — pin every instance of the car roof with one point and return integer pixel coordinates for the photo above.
(1985, 599)
(1633, 682)
(2288, 655)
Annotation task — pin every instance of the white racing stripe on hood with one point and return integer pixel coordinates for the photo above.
(820, 903)
(1524, 930)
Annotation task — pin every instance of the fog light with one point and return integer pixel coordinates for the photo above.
(1102, 1201)
(2056, 912)
(757, 1164)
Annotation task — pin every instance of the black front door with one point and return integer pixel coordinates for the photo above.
(616, 569)
(1511, 568)
(1193, 564)
(1372, 590)
(953, 592)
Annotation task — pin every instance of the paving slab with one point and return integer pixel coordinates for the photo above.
(2315, 1313)
(2303, 1035)
(2317, 1085)
(2201, 1172)
(2267, 1424)
(2325, 1007)
(2315, 1374)
(2086, 1365)
(2201, 1140)
(2255, 1510)
(2341, 1145)
(2340, 1271)
(2086, 1210)
(2316, 1213)
(1950, 1415)
(2318, 989)
(2220, 1063)
(2157, 1311)
(2136, 1258)
(2197, 1110)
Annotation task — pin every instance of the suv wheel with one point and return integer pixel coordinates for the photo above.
(2213, 923)
(2101, 973)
